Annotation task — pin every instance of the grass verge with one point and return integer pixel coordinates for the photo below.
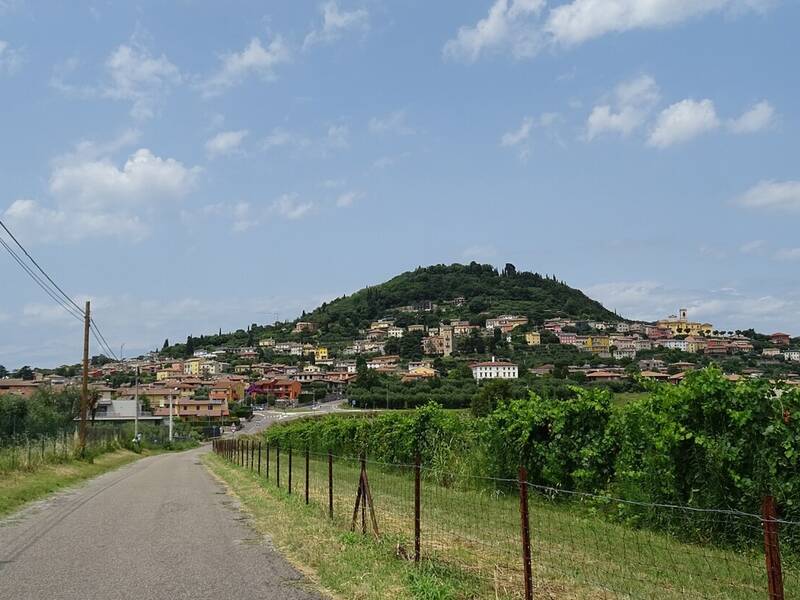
(343, 564)
(470, 542)
(20, 487)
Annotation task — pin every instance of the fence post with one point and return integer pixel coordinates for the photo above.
(306, 474)
(267, 461)
(330, 484)
(526, 532)
(259, 459)
(290, 469)
(416, 509)
(252, 454)
(772, 551)
(278, 463)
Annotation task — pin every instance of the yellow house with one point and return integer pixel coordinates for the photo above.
(681, 325)
(164, 374)
(192, 366)
(320, 353)
(597, 344)
(533, 338)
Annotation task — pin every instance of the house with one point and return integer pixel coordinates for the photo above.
(597, 344)
(681, 324)
(280, 389)
(604, 376)
(506, 323)
(792, 355)
(533, 338)
(441, 344)
(320, 353)
(462, 328)
(716, 346)
(212, 367)
(302, 326)
(377, 333)
(192, 366)
(495, 370)
(193, 409)
(655, 375)
(780, 339)
(675, 344)
(383, 362)
(395, 332)
(695, 344)
(18, 387)
(770, 352)
(419, 373)
(266, 343)
(652, 364)
(416, 327)
(565, 337)
(542, 370)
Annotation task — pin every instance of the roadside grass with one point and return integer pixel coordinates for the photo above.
(20, 487)
(342, 563)
(470, 542)
(622, 398)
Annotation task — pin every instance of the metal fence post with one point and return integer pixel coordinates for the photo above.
(330, 484)
(526, 532)
(306, 474)
(416, 508)
(772, 551)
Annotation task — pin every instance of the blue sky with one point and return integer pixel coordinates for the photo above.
(196, 165)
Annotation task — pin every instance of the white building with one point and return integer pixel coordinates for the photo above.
(394, 332)
(793, 355)
(495, 370)
(675, 344)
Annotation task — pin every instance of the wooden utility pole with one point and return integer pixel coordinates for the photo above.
(85, 383)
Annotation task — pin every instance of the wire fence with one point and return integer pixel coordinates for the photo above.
(513, 539)
(30, 452)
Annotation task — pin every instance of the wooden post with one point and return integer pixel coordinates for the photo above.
(526, 532)
(278, 464)
(772, 551)
(85, 381)
(259, 459)
(267, 469)
(330, 484)
(290, 469)
(417, 508)
(306, 474)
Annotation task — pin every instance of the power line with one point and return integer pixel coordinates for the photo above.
(53, 290)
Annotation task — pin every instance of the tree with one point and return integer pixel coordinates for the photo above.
(490, 395)
(189, 351)
(166, 344)
(3, 372)
(25, 373)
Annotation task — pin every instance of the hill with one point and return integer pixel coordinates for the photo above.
(425, 295)
(485, 292)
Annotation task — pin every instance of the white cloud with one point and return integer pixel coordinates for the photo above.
(346, 199)
(225, 142)
(391, 123)
(36, 222)
(335, 23)
(253, 60)
(789, 254)
(760, 117)
(281, 137)
(508, 26)
(336, 137)
(10, 58)
(683, 121)
(290, 207)
(582, 20)
(629, 106)
(752, 247)
(92, 197)
(139, 77)
(522, 27)
(519, 135)
(772, 195)
(143, 178)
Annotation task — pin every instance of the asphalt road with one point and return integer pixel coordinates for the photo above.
(160, 528)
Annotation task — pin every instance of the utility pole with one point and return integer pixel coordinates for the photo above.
(85, 382)
(136, 409)
(170, 416)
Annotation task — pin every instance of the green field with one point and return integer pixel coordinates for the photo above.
(475, 534)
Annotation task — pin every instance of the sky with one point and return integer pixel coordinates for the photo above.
(190, 166)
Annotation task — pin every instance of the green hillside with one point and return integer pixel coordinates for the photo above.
(486, 291)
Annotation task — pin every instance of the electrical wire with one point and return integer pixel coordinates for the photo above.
(52, 289)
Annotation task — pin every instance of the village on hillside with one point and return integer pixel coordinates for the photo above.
(206, 386)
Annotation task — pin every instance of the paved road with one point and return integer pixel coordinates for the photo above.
(160, 528)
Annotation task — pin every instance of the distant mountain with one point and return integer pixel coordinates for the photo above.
(485, 290)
